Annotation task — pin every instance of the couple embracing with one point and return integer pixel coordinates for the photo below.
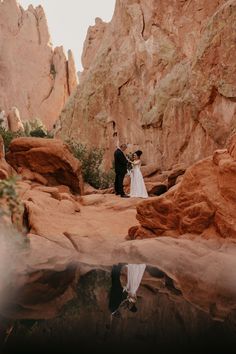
(137, 186)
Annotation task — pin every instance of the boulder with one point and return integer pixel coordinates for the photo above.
(5, 169)
(14, 120)
(49, 158)
(203, 203)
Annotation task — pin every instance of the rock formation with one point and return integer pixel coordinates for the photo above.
(5, 169)
(35, 78)
(48, 161)
(14, 120)
(161, 76)
(203, 203)
(63, 280)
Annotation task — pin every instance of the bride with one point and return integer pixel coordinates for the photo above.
(137, 187)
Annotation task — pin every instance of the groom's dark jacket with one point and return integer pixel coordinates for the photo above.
(120, 162)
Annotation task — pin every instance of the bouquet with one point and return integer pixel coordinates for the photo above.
(129, 164)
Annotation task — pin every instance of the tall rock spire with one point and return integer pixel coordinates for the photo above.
(34, 76)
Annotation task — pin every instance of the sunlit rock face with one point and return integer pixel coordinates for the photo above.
(160, 76)
(35, 78)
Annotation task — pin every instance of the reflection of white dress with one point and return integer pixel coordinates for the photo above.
(134, 277)
(137, 186)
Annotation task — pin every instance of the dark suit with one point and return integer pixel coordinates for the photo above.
(120, 170)
(117, 294)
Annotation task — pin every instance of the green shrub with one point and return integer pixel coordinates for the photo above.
(35, 128)
(91, 160)
(107, 179)
(8, 136)
(38, 133)
(9, 193)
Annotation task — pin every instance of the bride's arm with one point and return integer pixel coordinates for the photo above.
(137, 162)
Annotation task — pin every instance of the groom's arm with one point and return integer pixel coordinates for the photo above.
(121, 158)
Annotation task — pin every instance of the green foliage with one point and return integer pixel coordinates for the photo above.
(8, 136)
(107, 179)
(35, 128)
(91, 160)
(38, 133)
(9, 193)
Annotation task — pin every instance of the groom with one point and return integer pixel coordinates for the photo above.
(120, 170)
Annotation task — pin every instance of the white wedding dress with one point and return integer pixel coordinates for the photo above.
(137, 186)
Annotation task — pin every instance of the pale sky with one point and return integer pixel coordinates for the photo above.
(68, 20)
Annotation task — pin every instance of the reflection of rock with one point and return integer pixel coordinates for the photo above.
(35, 78)
(49, 158)
(161, 75)
(164, 319)
(203, 203)
(42, 273)
(202, 270)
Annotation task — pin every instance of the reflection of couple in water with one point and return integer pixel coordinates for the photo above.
(124, 297)
(133, 163)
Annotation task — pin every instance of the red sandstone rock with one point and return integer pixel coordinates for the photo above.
(92, 43)
(14, 120)
(5, 169)
(49, 158)
(203, 270)
(91, 226)
(203, 203)
(35, 78)
(161, 76)
(26, 174)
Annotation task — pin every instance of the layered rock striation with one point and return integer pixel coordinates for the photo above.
(161, 76)
(35, 78)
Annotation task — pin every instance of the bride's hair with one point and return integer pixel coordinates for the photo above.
(138, 153)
